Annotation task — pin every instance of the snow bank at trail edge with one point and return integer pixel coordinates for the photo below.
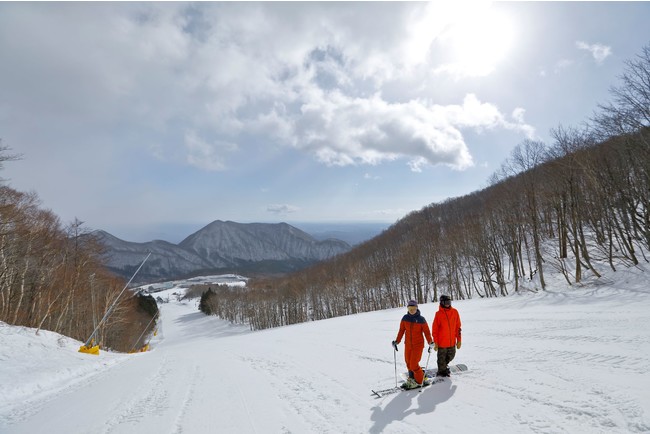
(36, 366)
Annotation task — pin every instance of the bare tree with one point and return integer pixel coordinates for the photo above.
(524, 167)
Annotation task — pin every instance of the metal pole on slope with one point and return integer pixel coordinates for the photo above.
(395, 360)
(110, 309)
(143, 331)
(425, 370)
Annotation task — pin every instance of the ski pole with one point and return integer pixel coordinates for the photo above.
(395, 360)
(427, 365)
(425, 371)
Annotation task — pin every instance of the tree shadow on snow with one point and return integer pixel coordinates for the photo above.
(197, 324)
(400, 406)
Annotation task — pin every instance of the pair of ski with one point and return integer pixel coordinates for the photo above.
(389, 391)
(430, 373)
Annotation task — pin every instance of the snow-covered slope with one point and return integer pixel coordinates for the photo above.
(570, 361)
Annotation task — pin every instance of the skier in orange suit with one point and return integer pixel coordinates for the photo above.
(446, 333)
(414, 329)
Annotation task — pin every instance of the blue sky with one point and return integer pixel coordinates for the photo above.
(150, 120)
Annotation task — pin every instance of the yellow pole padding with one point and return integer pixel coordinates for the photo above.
(141, 350)
(89, 350)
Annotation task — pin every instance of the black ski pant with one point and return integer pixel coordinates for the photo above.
(445, 356)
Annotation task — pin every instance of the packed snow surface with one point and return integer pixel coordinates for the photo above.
(575, 360)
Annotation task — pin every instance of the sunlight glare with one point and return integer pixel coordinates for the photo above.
(478, 42)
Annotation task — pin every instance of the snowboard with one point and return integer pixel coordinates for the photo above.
(454, 369)
(430, 373)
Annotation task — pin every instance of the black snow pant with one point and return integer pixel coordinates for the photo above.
(445, 356)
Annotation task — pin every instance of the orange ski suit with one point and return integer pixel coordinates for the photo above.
(414, 326)
(446, 327)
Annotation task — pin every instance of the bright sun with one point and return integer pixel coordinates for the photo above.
(478, 41)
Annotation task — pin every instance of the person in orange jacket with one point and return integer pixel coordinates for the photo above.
(446, 335)
(412, 327)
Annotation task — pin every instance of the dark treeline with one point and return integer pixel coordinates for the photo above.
(53, 278)
(577, 206)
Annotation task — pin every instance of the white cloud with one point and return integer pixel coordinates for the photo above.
(282, 209)
(598, 51)
(562, 64)
(384, 213)
(227, 72)
(207, 156)
(518, 114)
(346, 130)
(343, 130)
(520, 123)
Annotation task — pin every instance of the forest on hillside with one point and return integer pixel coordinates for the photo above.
(579, 206)
(54, 277)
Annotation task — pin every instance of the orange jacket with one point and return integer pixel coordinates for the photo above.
(446, 327)
(414, 326)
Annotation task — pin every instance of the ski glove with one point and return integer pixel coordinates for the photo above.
(432, 346)
(435, 347)
(394, 343)
(458, 345)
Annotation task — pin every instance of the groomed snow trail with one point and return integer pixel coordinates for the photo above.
(573, 361)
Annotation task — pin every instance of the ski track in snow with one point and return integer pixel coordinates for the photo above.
(588, 412)
(147, 402)
(187, 401)
(299, 391)
(25, 408)
(165, 394)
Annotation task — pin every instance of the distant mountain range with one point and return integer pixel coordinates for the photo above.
(245, 248)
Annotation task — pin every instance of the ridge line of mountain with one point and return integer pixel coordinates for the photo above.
(221, 246)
